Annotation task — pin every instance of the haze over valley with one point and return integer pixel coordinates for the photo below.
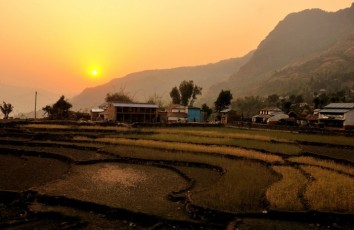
(300, 53)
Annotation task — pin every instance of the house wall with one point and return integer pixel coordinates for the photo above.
(194, 115)
(349, 120)
(110, 113)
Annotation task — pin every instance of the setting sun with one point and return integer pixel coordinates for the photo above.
(94, 72)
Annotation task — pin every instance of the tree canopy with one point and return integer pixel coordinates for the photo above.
(186, 94)
(223, 100)
(119, 96)
(59, 110)
(6, 109)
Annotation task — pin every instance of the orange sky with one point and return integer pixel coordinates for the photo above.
(56, 44)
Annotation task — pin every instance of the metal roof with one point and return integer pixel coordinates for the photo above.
(339, 106)
(225, 110)
(97, 110)
(334, 110)
(135, 105)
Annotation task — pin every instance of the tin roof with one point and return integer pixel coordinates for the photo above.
(334, 110)
(97, 110)
(134, 105)
(339, 106)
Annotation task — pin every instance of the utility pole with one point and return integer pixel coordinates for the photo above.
(35, 106)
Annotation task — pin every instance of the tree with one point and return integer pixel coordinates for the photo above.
(248, 106)
(59, 110)
(207, 110)
(48, 110)
(119, 96)
(175, 95)
(6, 109)
(223, 100)
(272, 100)
(186, 94)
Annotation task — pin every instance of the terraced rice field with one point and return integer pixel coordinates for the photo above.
(79, 176)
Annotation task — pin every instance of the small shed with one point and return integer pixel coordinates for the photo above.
(228, 116)
(96, 114)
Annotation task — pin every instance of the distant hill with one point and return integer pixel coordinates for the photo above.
(305, 51)
(304, 44)
(142, 85)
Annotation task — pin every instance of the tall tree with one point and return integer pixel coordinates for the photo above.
(6, 109)
(223, 100)
(186, 94)
(176, 97)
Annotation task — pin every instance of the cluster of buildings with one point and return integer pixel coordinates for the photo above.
(339, 115)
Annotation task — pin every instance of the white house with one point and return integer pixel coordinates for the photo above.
(338, 115)
(270, 116)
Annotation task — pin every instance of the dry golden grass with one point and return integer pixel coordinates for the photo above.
(284, 194)
(113, 128)
(330, 191)
(323, 163)
(240, 189)
(46, 126)
(218, 134)
(250, 154)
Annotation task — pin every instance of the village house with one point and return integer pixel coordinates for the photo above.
(228, 116)
(130, 112)
(339, 115)
(177, 113)
(270, 116)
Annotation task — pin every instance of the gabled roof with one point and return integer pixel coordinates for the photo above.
(134, 105)
(339, 106)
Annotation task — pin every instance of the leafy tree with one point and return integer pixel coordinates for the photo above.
(6, 109)
(273, 100)
(286, 105)
(207, 110)
(59, 110)
(223, 100)
(119, 96)
(248, 106)
(186, 94)
(175, 95)
(48, 110)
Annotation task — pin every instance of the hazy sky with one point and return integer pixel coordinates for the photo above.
(57, 44)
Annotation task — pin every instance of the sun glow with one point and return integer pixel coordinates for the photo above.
(94, 73)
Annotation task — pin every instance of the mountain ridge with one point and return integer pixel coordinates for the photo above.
(141, 85)
(282, 63)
